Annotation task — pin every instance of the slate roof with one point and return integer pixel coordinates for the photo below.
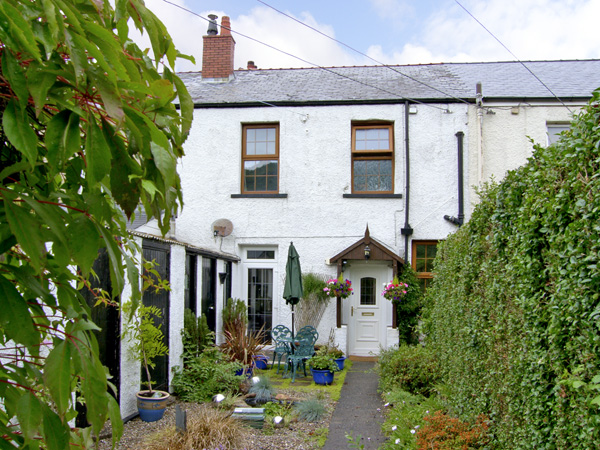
(569, 80)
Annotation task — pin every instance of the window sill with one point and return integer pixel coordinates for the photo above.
(372, 195)
(258, 195)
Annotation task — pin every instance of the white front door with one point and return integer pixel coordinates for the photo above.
(367, 324)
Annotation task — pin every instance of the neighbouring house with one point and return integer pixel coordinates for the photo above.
(364, 169)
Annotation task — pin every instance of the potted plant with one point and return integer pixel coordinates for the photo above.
(394, 290)
(322, 368)
(338, 287)
(337, 355)
(241, 345)
(147, 344)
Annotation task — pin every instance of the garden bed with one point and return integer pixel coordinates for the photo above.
(296, 434)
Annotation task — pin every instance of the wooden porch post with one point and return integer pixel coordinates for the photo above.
(338, 300)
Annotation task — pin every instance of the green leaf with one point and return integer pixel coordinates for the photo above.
(39, 81)
(16, 30)
(15, 76)
(98, 155)
(15, 318)
(150, 188)
(83, 231)
(57, 375)
(186, 104)
(55, 431)
(109, 93)
(114, 413)
(19, 132)
(29, 413)
(26, 228)
(94, 390)
(165, 162)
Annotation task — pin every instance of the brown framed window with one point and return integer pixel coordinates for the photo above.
(423, 254)
(372, 158)
(260, 158)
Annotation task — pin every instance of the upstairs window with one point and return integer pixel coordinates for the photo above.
(372, 159)
(554, 131)
(260, 159)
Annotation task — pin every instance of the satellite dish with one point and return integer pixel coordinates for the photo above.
(222, 227)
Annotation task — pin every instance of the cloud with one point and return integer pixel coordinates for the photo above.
(260, 23)
(530, 29)
(282, 33)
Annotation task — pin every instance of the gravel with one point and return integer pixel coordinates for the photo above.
(296, 435)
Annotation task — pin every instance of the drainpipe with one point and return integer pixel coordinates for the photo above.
(406, 231)
(479, 104)
(461, 216)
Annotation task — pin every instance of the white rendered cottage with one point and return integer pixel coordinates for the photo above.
(315, 156)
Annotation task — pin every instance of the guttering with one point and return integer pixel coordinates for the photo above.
(341, 102)
(406, 231)
(461, 215)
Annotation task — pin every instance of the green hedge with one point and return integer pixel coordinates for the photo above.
(512, 313)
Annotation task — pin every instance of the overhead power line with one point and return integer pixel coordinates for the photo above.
(513, 55)
(401, 97)
(363, 54)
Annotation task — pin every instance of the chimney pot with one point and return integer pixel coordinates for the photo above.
(225, 26)
(251, 65)
(212, 25)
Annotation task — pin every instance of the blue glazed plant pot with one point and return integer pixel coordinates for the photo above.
(322, 377)
(340, 362)
(247, 371)
(261, 362)
(152, 409)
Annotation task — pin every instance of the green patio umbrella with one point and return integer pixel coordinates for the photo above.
(292, 291)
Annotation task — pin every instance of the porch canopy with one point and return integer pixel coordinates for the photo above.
(377, 252)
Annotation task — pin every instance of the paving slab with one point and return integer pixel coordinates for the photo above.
(359, 411)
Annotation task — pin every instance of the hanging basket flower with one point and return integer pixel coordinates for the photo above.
(338, 288)
(394, 290)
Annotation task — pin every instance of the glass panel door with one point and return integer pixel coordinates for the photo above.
(260, 299)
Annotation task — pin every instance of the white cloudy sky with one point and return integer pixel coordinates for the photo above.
(389, 31)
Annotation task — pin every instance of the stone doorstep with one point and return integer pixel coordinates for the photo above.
(363, 358)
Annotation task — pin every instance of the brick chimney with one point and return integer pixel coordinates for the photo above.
(251, 65)
(218, 50)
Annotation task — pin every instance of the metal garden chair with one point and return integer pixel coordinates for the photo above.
(281, 336)
(310, 329)
(303, 349)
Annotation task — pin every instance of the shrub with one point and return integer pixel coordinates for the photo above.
(310, 410)
(235, 316)
(314, 302)
(206, 375)
(411, 368)
(442, 432)
(405, 416)
(262, 389)
(409, 308)
(210, 428)
(513, 308)
(196, 335)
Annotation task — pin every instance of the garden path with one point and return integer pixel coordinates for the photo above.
(359, 410)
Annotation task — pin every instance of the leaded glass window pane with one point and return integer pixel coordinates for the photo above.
(367, 291)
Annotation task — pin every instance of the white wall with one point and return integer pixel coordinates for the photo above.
(507, 131)
(130, 368)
